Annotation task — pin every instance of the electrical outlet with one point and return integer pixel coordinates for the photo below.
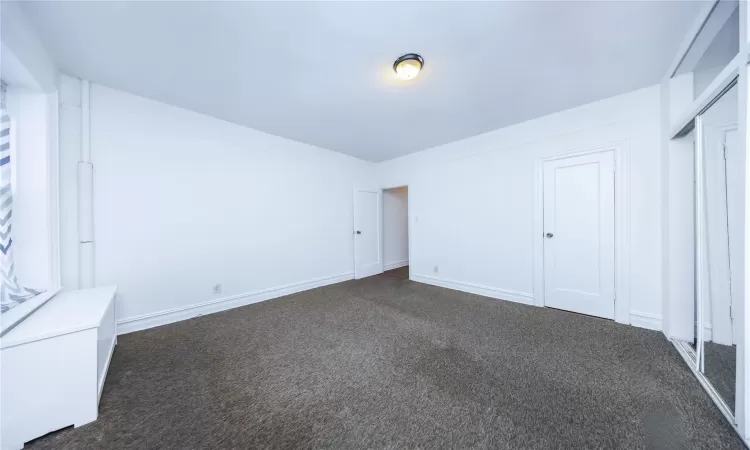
(435, 269)
(217, 289)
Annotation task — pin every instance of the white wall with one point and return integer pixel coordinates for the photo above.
(184, 201)
(23, 54)
(395, 227)
(471, 202)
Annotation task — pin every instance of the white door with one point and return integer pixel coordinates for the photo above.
(368, 257)
(579, 234)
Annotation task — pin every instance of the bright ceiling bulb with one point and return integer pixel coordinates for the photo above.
(408, 66)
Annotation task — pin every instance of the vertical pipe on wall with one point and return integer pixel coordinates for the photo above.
(666, 295)
(85, 195)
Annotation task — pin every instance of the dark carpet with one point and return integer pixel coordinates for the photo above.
(401, 272)
(720, 366)
(385, 362)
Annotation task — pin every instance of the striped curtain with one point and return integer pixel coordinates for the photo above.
(11, 293)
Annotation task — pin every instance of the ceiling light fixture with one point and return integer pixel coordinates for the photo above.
(408, 66)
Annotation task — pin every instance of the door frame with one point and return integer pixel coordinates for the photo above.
(409, 225)
(379, 193)
(621, 152)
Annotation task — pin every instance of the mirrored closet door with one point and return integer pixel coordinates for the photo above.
(720, 254)
(712, 212)
(707, 96)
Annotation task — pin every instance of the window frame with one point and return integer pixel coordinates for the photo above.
(16, 78)
(17, 314)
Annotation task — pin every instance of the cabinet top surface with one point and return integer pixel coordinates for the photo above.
(67, 312)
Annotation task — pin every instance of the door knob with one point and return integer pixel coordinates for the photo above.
(549, 235)
(359, 232)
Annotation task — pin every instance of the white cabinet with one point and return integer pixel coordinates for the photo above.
(54, 363)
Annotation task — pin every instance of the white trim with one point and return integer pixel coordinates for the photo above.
(17, 77)
(714, 90)
(645, 320)
(690, 37)
(487, 291)
(742, 318)
(156, 319)
(704, 38)
(687, 348)
(396, 265)
(381, 263)
(409, 227)
(708, 335)
(622, 226)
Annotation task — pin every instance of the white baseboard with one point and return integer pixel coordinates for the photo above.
(502, 294)
(395, 265)
(645, 320)
(708, 333)
(132, 324)
(156, 319)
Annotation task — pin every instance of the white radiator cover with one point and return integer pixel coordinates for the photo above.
(54, 363)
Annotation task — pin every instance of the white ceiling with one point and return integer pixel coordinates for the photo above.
(320, 72)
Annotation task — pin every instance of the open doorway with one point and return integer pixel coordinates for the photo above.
(396, 232)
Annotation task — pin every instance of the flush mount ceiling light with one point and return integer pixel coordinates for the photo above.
(408, 66)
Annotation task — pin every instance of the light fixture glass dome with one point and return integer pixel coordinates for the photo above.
(408, 66)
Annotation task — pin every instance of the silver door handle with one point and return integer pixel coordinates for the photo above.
(549, 235)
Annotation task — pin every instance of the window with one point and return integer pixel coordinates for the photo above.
(27, 200)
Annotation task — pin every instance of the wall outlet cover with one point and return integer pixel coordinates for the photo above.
(217, 289)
